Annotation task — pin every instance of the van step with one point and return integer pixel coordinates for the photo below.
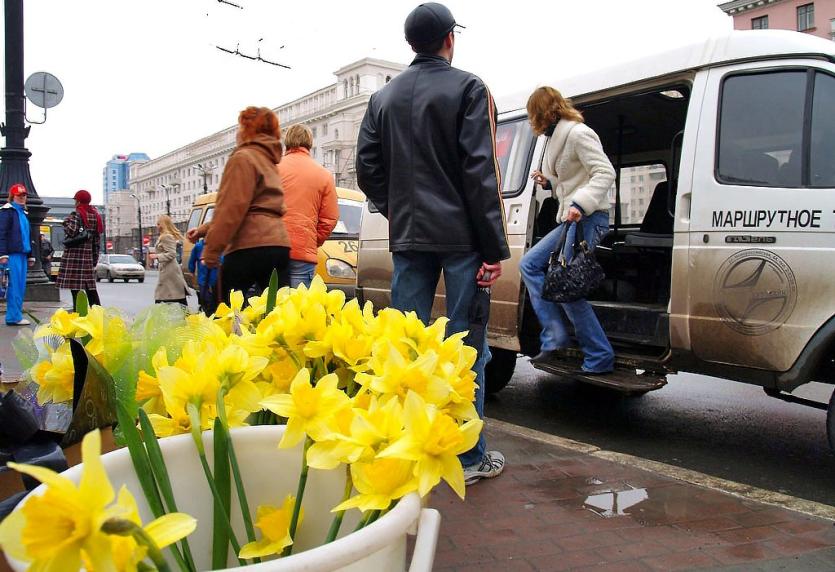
(624, 379)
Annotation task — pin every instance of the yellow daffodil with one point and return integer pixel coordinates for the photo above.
(179, 388)
(394, 374)
(308, 408)
(55, 376)
(60, 324)
(380, 482)
(148, 391)
(274, 524)
(229, 317)
(279, 374)
(433, 440)
(61, 529)
(92, 325)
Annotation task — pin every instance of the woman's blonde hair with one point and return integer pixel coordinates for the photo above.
(298, 135)
(546, 106)
(167, 227)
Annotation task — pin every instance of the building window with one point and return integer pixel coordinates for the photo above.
(314, 132)
(832, 29)
(805, 17)
(760, 23)
(324, 129)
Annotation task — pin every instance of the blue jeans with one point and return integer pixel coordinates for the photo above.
(413, 285)
(597, 351)
(301, 272)
(18, 266)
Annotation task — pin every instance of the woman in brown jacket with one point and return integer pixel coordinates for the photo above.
(247, 227)
(171, 286)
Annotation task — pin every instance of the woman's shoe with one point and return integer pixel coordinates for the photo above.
(23, 322)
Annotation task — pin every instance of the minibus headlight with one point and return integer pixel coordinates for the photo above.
(339, 268)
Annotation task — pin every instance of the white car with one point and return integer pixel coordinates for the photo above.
(119, 266)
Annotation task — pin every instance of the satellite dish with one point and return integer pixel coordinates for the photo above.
(44, 90)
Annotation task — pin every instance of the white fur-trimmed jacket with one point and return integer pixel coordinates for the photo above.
(578, 169)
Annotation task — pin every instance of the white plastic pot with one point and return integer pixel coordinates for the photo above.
(270, 474)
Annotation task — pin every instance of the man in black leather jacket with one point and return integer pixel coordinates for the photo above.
(426, 159)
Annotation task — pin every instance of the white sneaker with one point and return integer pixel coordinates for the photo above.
(491, 465)
(23, 322)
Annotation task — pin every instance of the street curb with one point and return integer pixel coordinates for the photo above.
(747, 492)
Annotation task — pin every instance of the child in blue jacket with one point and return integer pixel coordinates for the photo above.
(16, 251)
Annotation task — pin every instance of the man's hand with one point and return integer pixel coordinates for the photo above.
(193, 235)
(210, 262)
(574, 214)
(494, 270)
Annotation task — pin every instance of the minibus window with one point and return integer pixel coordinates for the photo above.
(514, 145)
(761, 129)
(194, 219)
(822, 150)
(210, 213)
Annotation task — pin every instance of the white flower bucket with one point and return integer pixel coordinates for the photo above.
(269, 475)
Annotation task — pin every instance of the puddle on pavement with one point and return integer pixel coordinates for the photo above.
(609, 504)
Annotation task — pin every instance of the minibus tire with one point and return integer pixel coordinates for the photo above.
(499, 370)
(830, 422)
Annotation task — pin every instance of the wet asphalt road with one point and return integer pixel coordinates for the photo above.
(721, 428)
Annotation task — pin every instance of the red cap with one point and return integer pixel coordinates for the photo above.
(17, 189)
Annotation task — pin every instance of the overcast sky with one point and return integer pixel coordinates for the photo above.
(145, 76)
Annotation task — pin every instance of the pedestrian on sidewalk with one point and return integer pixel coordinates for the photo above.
(247, 226)
(207, 294)
(171, 286)
(78, 262)
(16, 248)
(426, 158)
(310, 198)
(46, 254)
(579, 175)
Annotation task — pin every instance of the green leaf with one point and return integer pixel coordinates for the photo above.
(163, 481)
(272, 292)
(82, 304)
(220, 535)
(141, 462)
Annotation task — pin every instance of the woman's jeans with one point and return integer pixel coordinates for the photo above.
(597, 351)
(301, 272)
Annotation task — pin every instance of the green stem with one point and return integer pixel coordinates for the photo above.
(337, 520)
(194, 416)
(160, 473)
(363, 520)
(236, 471)
(294, 521)
(375, 514)
(124, 527)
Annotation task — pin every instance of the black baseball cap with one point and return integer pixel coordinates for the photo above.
(429, 22)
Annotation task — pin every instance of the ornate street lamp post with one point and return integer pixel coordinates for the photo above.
(206, 172)
(14, 157)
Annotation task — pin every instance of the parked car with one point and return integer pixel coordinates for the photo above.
(121, 266)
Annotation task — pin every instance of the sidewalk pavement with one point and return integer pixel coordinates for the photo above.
(557, 508)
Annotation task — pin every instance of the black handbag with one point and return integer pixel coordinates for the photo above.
(573, 280)
(82, 236)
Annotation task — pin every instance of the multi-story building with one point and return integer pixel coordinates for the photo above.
(116, 173)
(170, 183)
(816, 18)
(120, 222)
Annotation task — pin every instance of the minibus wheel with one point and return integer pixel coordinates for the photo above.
(500, 369)
(830, 421)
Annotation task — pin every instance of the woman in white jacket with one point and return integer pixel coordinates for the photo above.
(579, 175)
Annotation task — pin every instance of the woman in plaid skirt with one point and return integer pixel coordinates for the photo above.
(78, 263)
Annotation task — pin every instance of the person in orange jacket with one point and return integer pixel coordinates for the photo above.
(310, 198)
